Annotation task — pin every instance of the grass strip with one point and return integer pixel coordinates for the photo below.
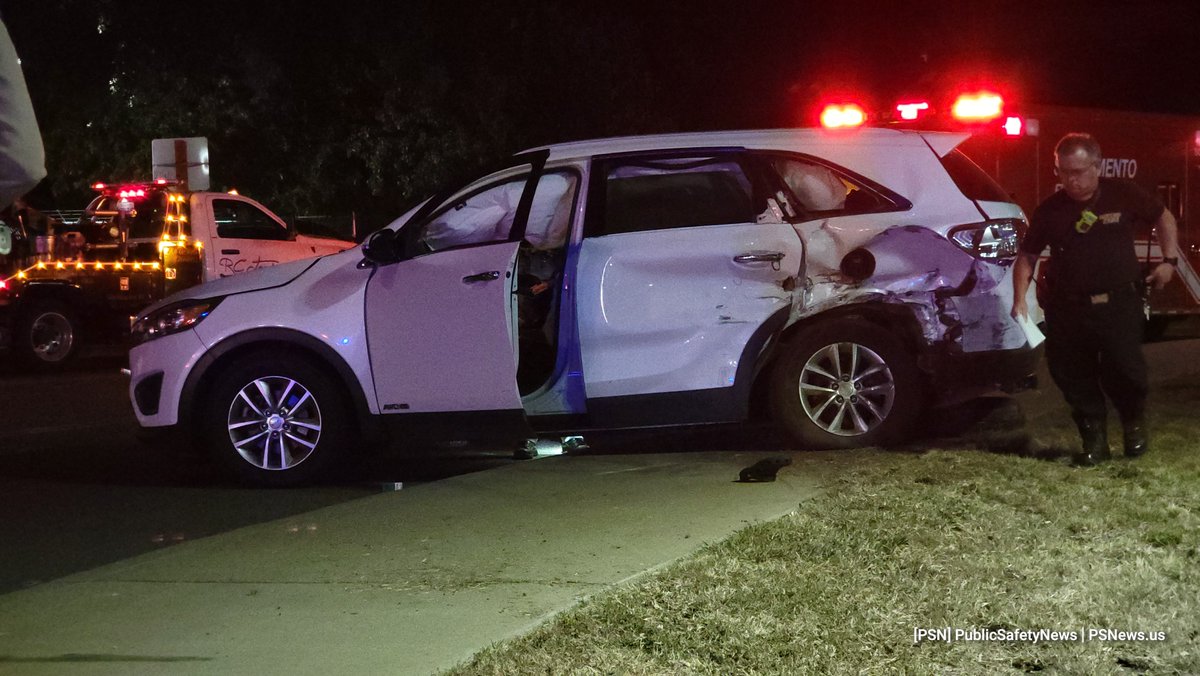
(948, 538)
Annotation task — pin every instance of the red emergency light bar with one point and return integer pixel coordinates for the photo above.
(130, 189)
(842, 116)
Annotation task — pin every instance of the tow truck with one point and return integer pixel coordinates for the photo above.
(134, 244)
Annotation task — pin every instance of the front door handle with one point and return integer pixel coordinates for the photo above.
(767, 257)
(230, 252)
(482, 277)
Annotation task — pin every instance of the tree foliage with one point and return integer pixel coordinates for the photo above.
(366, 108)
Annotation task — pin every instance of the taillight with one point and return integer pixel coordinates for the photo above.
(994, 240)
(1013, 126)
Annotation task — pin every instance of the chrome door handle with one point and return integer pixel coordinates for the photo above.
(769, 257)
(482, 277)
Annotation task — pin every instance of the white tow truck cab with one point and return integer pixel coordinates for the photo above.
(134, 244)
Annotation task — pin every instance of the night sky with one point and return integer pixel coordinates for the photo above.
(747, 55)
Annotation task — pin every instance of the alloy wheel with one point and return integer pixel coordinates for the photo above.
(847, 389)
(274, 423)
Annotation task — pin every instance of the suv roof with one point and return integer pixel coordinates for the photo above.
(941, 142)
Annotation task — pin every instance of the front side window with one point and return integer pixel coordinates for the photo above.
(658, 194)
(242, 220)
(821, 190)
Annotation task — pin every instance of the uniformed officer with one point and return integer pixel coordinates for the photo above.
(1094, 311)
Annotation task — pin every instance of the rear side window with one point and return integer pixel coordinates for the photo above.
(822, 191)
(675, 193)
(974, 182)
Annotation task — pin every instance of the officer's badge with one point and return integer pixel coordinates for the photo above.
(1086, 220)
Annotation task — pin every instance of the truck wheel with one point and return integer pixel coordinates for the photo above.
(49, 335)
(277, 421)
(846, 384)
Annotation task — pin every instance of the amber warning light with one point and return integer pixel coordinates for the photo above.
(977, 107)
(841, 116)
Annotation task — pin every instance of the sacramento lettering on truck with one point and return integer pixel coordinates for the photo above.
(63, 284)
(1161, 153)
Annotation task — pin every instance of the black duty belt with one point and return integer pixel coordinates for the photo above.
(1098, 297)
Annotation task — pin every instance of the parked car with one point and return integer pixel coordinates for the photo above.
(837, 282)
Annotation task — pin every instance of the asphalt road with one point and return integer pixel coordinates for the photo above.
(77, 490)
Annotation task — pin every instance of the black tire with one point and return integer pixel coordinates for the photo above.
(315, 431)
(884, 368)
(49, 335)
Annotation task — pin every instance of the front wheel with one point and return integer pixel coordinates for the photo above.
(846, 384)
(276, 420)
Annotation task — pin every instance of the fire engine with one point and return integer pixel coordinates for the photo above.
(134, 244)
(1015, 145)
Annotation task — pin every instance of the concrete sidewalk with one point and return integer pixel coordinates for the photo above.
(405, 582)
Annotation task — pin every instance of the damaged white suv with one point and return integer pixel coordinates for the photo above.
(837, 282)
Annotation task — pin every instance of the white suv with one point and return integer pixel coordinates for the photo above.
(837, 282)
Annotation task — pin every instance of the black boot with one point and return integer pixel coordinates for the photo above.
(1093, 432)
(1136, 440)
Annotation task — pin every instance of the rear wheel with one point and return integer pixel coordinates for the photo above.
(846, 384)
(276, 420)
(49, 335)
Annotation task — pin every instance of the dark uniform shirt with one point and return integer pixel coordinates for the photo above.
(1103, 258)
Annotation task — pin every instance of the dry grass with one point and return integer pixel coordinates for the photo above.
(947, 538)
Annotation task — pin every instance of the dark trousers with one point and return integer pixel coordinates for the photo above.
(1095, 349)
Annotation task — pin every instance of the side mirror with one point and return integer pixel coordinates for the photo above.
(380, 247)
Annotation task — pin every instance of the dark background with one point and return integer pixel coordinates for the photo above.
(328, 108)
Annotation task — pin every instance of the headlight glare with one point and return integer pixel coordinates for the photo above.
(171, 319)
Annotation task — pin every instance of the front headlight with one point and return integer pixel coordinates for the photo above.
(994, 241)
(171, 319)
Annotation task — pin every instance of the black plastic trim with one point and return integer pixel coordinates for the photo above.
(189, 406)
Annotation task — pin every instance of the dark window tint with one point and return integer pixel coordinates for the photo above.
(676, 193)
(971, 180)
(242, 220)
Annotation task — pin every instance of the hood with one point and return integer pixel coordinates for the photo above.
(262, 278)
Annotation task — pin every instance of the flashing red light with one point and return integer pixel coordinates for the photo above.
(3, 284)
(98, 186)
(160, 181)
(1013, 126)
(978, 107)
(840, 116)
(911, 111)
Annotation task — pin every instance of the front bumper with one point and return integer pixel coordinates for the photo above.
(159, 370)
